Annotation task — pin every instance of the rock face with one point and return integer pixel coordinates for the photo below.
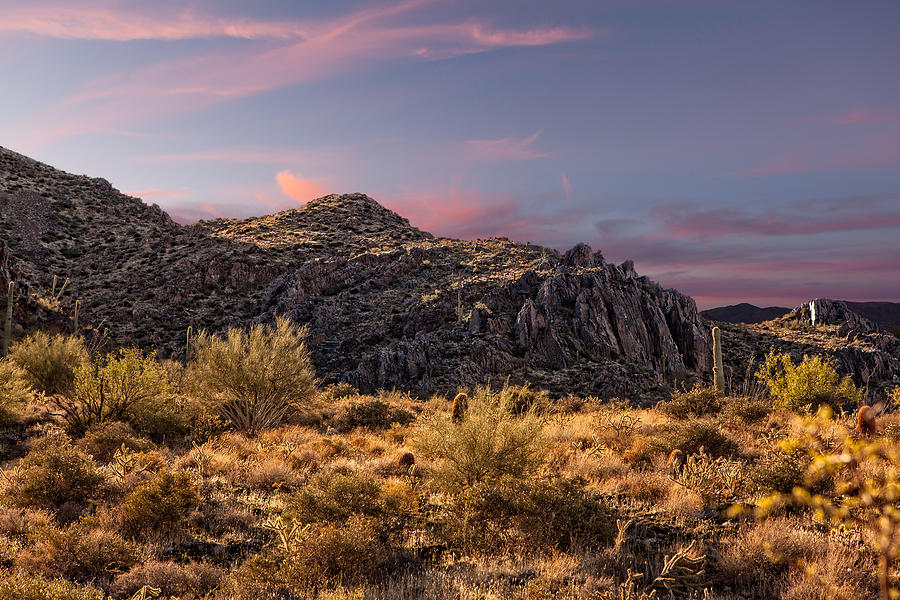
(387, 305)
(425, 318)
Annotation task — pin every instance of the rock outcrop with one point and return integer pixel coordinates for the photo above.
(387, 305)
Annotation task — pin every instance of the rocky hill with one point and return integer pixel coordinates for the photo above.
(388, 306)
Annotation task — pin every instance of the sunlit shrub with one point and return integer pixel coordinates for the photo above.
(102, 440)
(53, 473)
(334, 498)
(698, 402)
(488, 443)
(113, 388)
(20, 585)
(369, 413)
(82, 552)
(807, 386)
(14, 391)
(50, 362)
(159, 507)
(256, 377)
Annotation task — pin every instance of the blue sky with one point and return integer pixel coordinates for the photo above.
(737, 151)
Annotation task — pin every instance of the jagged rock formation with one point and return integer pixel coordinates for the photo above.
(859, 346)
(387, 305)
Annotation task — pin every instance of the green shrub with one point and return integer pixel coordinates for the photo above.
(114, 388)
(326, 556)
(82, 552)
(103, 439)
(520, 399)
(513, 511)
(50, 362)
(809, 385)
(334, 499)
(369, 413)
(53, 473)
(256, 377)
(746, 408)
(488, 443)
(698, 402)
(159, 507)
(18, 585)
(14, 391)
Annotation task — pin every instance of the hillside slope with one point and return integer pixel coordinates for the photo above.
(387, 304)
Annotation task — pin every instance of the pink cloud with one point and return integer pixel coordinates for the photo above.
(301, 190)
(320, 49)
(567, 186)
(860, 116)
(122, 24)
(687, 220)
(504, 149)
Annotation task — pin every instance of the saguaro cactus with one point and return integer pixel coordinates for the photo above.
(187, 345)
(75, 317)
(718, 369)
(7, 325)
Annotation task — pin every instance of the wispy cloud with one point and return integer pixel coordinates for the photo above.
(504, 149)
(567, 186)
(310, 51)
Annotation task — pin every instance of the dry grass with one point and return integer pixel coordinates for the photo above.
(325, 509)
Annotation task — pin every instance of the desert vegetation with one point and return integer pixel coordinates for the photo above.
(239, 476)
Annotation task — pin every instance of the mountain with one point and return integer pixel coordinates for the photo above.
(387, 305)
(744, 313)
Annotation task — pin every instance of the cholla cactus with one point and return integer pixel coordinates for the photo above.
(718, 369)
(460, 407)
(146, 592)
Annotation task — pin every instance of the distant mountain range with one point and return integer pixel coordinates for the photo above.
(885, 314)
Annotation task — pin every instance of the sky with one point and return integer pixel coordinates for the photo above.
(737, 151)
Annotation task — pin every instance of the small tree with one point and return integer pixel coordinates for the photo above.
(112, 389)
(50, 362)
(807, 386)
(256, 377)
(490, 441)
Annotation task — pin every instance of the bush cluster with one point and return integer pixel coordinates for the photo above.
(806, 386)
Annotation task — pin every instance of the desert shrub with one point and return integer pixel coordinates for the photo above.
(14, 391)
(762, 559)
(488, 443)
(491, 515)
(326, 556)
(103, 439)
(334, 498)
(53, 473)
(698, 402)
(519, 399)
(159, 507)
(113, 388)
(50, 362)
(18, 585)
(82, 552)
(780, 471)
(191, 580)
(691, 437)
(807, 386)
(746, 408)
(369, 413)
(337, 391)
(256, 377)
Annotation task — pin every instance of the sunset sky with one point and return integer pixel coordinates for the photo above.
(738, 151)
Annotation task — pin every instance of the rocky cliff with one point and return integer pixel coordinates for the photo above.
(387, 305)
